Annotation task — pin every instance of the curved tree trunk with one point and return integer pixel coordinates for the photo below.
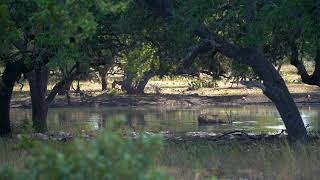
(277, 91)
(274, 85)
(38, 81)
(314, 78)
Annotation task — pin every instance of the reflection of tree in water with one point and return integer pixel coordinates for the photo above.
(27, 116)
(135, 120)
(313, 123)
(317, 118)
(256, 119)
(102, 123)
(62, 117)
(178, 120)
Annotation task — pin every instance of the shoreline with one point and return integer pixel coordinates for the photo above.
(170, 100)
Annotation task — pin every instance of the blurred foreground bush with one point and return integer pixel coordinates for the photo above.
(109, 156)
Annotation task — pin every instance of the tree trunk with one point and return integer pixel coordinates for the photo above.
(132, 87)
(6, 88)
(127, 84)
(275, 87)
(314, 78)
(278, 92)
(143, 82)
(103, 77)
(5, 97)
(11, 73)
(38, 81)
(78, 86)
(66, 88)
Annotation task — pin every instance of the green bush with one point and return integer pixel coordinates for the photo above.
(197, 84)
(109, 156)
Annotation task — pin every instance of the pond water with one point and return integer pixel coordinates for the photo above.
(252, 119)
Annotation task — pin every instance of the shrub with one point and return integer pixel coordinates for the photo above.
(197, 84)
(109, 156)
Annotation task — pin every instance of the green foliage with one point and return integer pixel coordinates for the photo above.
(8, 31)
(23, 127)
(237, 71)
(140, 61)
(110, 156)
(7, 173)
(45, 30)
(201, 83)
(114, 92)
(299, 24)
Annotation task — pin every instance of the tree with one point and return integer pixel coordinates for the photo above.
(37, 32)
(298, 34)
(233, 29)
(139, 65)
(72, 60)
(38, 81)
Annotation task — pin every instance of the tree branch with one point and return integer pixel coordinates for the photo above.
(313, 79)
(195, 51)
(73, 74)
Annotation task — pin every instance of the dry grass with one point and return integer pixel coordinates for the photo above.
(236, 160)
(10, 155)
(222, 160)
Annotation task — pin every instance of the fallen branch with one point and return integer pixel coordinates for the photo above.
(234, 132)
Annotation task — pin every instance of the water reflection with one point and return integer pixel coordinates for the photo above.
(254, 119)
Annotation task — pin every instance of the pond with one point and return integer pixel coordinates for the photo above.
(252, 119)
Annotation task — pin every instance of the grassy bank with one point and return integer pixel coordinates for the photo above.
(222, 160)
(236, 160)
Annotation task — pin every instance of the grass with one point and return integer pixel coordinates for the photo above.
(240, 160)
(222, 160)
(10, 155)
